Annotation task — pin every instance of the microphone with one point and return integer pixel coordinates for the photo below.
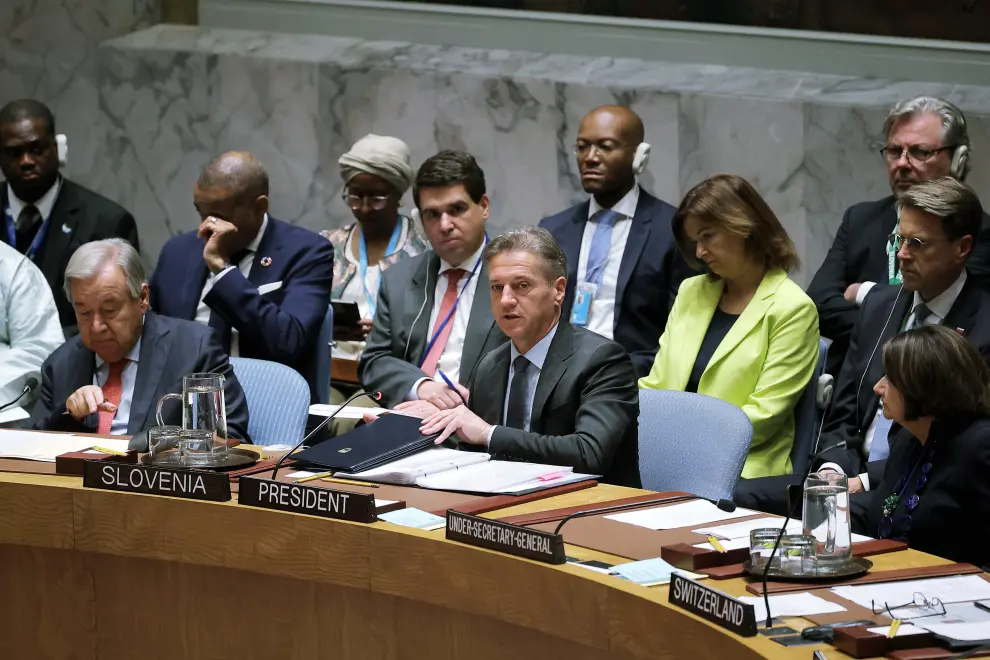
(725, 505)
(377, 396)
(29, 386)
(853, 443)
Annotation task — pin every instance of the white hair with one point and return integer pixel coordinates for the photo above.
(954, 130)
(91, 257)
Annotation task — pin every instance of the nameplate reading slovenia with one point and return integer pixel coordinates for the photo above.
(503, 537)
(190, 484)
(713, 605)
(311, 500)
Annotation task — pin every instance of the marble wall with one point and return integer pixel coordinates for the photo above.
(147, 110)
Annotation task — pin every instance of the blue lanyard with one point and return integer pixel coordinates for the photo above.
(12, 233)
(453, 309)
(363, 263)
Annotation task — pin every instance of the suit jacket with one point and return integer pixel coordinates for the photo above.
(585, 409)
(649, 273)
(283, 323)
(400, 332)
(763, 365)
(170, 349)
(950, 518)
(854, 405)
(859, 254)
(79, 216)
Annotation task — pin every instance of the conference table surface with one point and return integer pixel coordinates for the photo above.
(98, 574)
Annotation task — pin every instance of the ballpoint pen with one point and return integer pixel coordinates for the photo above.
(450, 384)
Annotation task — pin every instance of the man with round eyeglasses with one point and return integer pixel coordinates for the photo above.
(924, 138)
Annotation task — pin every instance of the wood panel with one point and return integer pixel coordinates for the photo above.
(30, 515)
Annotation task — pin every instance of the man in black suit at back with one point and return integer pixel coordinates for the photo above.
(46, 216)
(555, 393)
(924, 138)
(940, 222)
(623, 266)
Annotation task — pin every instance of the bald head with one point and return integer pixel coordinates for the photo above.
(606, 147)
(237, 172)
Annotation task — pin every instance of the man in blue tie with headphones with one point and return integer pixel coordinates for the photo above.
(623, 266)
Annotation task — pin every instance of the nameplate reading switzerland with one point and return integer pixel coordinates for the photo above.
(713, 605)
(190, 484)
(311, 500)
(503, 537)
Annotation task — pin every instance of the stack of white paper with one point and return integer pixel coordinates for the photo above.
(742, 529)
(502, 477)
(960, 632)
(801, 604)
(955, 589)
(14, 414)
(695, 512)
(347, 412)
(37, 446)
(411, 469)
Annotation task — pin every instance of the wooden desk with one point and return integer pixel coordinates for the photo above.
(345, 371)
(97, 574)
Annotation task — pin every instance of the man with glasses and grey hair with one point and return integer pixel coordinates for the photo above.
(109, 378)
(924, 138)
(555, 393)
(940, 222)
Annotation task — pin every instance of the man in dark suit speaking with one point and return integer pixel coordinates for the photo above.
(623, 265)
(46, 216)
(555, 393)
(109, 378)
(924, 138)
(262, 284)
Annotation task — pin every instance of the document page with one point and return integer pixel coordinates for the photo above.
(409, 470)
(14, 414)
(497, 477)
(696, 512)
(955, 589)
(802, 604)
(36, 446)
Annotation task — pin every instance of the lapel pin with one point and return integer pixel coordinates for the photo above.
(960, 331)
(266, 261)
(66, 229)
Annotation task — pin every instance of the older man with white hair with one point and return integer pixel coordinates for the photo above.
(109, 378)
(262, 284)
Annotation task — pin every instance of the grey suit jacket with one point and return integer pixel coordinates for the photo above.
(585, 410)
(395, 346)
(170, 349)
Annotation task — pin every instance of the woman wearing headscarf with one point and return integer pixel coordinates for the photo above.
(377, 172)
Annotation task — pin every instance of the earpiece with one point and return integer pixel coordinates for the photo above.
(641, 158)
(62, 147)
(417, 223)
(960, 162)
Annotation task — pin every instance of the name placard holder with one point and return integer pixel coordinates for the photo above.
(712, 604)
(503, 537)
(131, 478)
(311, 500)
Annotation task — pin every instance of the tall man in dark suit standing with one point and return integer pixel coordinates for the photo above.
(924, 138)
(556, 393)
(432, 314)
(46, 216)
(110, 377)
(262, 284)
(940, 222)
(624, 268)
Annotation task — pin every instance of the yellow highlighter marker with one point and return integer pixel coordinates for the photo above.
(894, 625)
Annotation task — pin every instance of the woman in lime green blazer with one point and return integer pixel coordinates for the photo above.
(744, 332)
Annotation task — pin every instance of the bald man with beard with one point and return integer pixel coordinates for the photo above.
(623, 267)
(263, 285)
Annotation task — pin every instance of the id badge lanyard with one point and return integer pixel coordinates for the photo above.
(363, 264)
(453, 309)
(39, 237)
(893, 268)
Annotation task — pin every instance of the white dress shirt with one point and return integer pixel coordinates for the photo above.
(939, 306)
(44, 205)
(601, 319)
(128, 376)
(203, 310)
(450, 359)
(29, 326)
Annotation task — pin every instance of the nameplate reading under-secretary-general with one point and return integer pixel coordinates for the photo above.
(713, 605)
(190, 484)
(510, 539)
(312, 500)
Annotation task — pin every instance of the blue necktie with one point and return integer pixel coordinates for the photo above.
(880, 446)
(601, 245)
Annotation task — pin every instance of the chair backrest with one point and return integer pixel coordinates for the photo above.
(808, 414)
(323, 350)
(691, 442)
(277, 399)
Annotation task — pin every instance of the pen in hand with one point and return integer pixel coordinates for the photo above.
(451, 386)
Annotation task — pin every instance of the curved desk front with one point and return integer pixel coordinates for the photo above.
(96, 574)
